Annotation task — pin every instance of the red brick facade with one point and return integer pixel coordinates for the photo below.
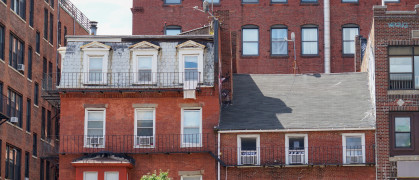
(22, 84)
(149, 17)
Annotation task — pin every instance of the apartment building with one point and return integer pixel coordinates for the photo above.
(30, 33)
(132, 105)
(391, 56)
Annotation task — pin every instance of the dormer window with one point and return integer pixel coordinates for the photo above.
(95, 63)
(144, 55)
(191, 60)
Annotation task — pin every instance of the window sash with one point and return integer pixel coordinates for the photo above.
(402, 132)
(193, 125)
(348, 37)
(173, 31)
(250, 41)
(310, 41)
(94, 131)
(143, 124)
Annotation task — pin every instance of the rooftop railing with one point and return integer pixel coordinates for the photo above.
(314, 155)
(140, 81)
(75, 13)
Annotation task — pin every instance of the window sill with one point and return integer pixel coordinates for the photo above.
(309, 4)
(18, 16)
(1, 2)
(96, 147)
(360, 164)
(402, 92)
(348, 56)
(36, 106)
(279, 56)
(17, 127)
(296, 165)
(29, 80)
(38, 54)
(144, 147)
(172, 5)
(31, 27)
(34, 157)
(16, 71)
(249, 56)
(2, 61)
(310, 56)
(278, 4)
(405, 158)
(27, 132)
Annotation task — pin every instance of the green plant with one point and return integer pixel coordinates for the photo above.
(154, 176)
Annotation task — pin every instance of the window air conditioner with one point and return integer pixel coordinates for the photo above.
(296, 158)
(14, 119)
(415, 34)
(144, 140)
(354, 159)
(21, 67)
(249, 160)
(95, 141)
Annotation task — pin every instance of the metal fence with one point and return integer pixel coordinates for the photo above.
(75, 13)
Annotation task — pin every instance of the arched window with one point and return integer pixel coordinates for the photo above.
(250, 40)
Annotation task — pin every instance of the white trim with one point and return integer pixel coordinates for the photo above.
(145, 52)
(85, 126)
(295, 130)
(135, 126)
(191, 52)
(110, 172)
(84, 174)
(287, 136)
(257, 136)
(86, 58)
(200, 176)
(344, 135)
(200, 128)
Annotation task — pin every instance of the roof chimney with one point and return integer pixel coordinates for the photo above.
(93, 28)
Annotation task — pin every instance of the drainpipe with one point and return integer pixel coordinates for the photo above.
(326, 36)
(219, 165)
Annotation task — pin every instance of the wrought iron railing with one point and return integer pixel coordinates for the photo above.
(315, 155)
(399, 81)
(93, 81)
(161, 143)
(75, 13)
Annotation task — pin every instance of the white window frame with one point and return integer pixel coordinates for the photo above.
(135, 127)
(104, 53)
(287, 136)
(145, 52)
(199, 176)
(84, 174)
(343, 38)
(344, 135)
(191, 145)
(191, 52)
(85, 127)
(110, 172)
(257, 136)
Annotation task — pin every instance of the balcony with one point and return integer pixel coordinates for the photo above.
(162, 143)
(123, 81)
(75, 13)
(280, 156)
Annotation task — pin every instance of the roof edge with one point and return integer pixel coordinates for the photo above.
(296, 130)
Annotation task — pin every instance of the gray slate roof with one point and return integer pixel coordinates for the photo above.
(321, 101)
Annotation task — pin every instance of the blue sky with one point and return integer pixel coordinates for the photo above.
(113, 16)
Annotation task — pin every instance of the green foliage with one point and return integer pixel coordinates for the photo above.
(154, 176)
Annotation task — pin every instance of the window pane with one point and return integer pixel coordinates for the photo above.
(402, 124)
(279, 48)
(145, 115)
(349, 47)
(191, 135)
(95, 132)
(309, 47)
(191, 118)
(349, 34)
(349, 0)
(309, 34)
(90, 176)
(111, 176)
(145, 123)
(144, 62)
(401, 77)
(172, 1)
(353, 142)
(248, 143)
(250, 1)
(400, 51)
(191, 74)
(95, 124)
(95, 64)
(250, 34)
(213, 1)
(416, 72)
(250, 48)
(400, 64)
(145, 132)
(402, 139)
(296, 143)
(308, 0)
(191, 61)
(95, 116)
(279, 34)
(173, 31)
(275, 1)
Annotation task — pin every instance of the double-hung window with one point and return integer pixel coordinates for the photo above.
(51, 28)
(172, 30)
(30, 62)
(250, 40)
(191, 68)
(144, 127)
(309, 40)
(145, 63)
(109, 175)
(95, 63)
(348, 38)
(13, 163)
(279, 45)
(95, 69)
(353, 148)
(402, 132)
(172, 2)
(19, 7)
(296, 149)
(31, 12)
(95, 128)
(2, 42)
(191, 62)
(15, 107)
(46, 24)
(404, 67)
(16, 51)
(191, 127)
(248, 149)
(38, 42)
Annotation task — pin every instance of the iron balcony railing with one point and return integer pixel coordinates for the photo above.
(162, 143)
(75, 13)
(315, 155)
(400, 81)
(141, 81)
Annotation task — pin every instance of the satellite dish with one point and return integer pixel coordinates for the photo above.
(293, 36)
(205, 6)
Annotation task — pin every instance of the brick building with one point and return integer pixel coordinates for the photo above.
(391, 56)
(30, 33)
(261, 25)
(132, 105)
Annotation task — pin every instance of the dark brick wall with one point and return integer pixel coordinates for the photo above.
(10, 134)
(149, 17)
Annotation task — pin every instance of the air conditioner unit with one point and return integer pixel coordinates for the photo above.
(14, 119)
(95, 141)
(21, 67)
(354, 159)
(144, 140)
(296, 158)
(249, 160)
(415, 34)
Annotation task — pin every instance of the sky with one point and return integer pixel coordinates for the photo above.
(113, 16)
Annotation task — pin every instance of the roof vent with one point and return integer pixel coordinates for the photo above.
(93, 28)
(415, 34)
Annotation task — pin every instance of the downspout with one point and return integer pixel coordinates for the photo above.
(219, 157)
(326, 7)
